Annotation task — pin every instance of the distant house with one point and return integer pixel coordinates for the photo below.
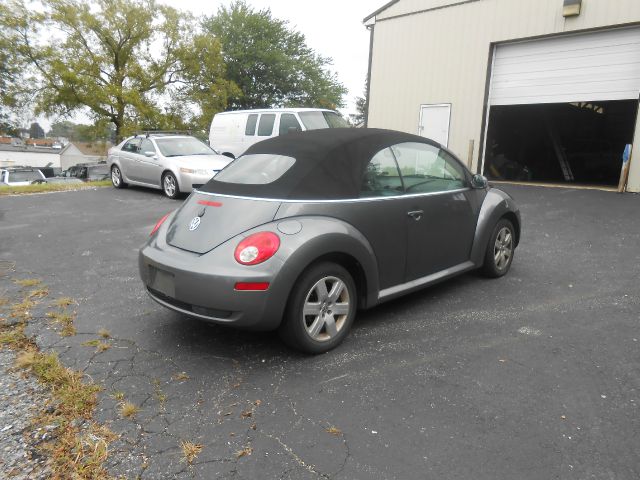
(40, 142)
(15, 155)
(75, 153)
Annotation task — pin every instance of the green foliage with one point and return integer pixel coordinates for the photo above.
(101, 58)
(270, 62)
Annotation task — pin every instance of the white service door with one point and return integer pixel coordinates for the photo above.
(434, 122)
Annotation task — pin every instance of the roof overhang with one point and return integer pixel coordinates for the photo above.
(370, 19)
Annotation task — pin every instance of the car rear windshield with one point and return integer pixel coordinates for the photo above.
(317, 120)
(257, 169)
(182, 146)
(24, 176)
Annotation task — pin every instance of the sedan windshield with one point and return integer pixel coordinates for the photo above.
(182, 146)
(317, 120)
(24, 176)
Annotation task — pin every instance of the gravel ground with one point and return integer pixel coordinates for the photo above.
(20, 398)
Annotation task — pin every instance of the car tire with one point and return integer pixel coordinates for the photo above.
(170, 185)
(500, 250)
(319, 332)
(116, 177)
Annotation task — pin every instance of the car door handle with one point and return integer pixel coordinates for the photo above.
(415, 214)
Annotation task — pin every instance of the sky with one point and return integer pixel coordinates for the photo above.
(333, 28)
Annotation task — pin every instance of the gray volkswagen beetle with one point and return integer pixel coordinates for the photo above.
(305, 229)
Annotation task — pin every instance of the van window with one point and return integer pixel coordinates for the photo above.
(318, 119)
(250, 129)
(265, 128)
(287, 122)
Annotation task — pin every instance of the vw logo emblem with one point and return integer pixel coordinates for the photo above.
(194, 223)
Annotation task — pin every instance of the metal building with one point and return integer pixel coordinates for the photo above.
(526, 90)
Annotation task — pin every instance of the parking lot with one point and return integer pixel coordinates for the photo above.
(532, 376)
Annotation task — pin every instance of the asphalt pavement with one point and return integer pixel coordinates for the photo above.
(532, 376)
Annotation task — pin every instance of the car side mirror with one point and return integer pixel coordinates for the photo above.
(149, 154)
(479, 181)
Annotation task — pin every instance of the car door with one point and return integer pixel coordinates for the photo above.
(381, 217)
(148, 166)
(439, 214)
(127, 159)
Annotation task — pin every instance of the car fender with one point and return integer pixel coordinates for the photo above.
(317, 237)
(116, 161)
(496, 204)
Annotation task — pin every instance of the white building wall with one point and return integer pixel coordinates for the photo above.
(443, 56)
(30, 159)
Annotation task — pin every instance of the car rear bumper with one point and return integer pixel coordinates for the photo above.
(189, 181)
(203, 286)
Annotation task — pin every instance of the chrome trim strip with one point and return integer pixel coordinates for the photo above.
(346, 200)
(418, 282)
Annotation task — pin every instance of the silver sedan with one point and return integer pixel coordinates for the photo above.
(172, 163)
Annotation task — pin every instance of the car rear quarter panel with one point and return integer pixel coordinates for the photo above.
(322, 237)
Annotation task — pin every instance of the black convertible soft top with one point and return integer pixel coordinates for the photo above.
(330, 163)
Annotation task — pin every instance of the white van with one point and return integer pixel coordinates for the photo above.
(233, 132)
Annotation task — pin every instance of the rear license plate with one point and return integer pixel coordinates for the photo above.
(162, 281)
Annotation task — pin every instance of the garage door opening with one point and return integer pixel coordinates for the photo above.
(579, 143)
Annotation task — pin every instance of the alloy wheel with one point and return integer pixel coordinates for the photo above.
(326, 308)
(116, 177)
(169, 185)
(503, 248)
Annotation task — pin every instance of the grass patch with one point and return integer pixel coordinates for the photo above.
(4, 301)
(99, 345)
(190, 451)
(104, 333)
(128, 409)
(28, 282)
(180, 377)
(334, 431)
(244, 452)
(38, 293)
(51, 187)
(118, 396)
(21, 310)
(63, 302)
(64, 320)
(78, 449)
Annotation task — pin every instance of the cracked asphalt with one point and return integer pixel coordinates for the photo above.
(535, 375)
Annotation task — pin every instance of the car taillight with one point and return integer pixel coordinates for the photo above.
(159, 224)
(257, 248)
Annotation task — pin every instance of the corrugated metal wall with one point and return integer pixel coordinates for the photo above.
(443, 56)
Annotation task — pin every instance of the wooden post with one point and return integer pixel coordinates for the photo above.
(624, 173)
(470, 157)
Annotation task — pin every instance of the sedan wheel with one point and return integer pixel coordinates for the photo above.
(321, 309)
(116, 177)
(500, 249)
(170, 185)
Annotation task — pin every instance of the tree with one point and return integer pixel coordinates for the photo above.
(36, 131)
(358, 118)
(100, 59)
(270, 62)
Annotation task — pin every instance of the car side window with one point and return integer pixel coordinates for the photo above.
(427, 169)
(252, 120)
(381, 177)
(265, 127)
(288, 121)
(132, 146)
(147, 146)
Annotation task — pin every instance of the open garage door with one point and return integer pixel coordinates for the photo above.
(562, 109)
